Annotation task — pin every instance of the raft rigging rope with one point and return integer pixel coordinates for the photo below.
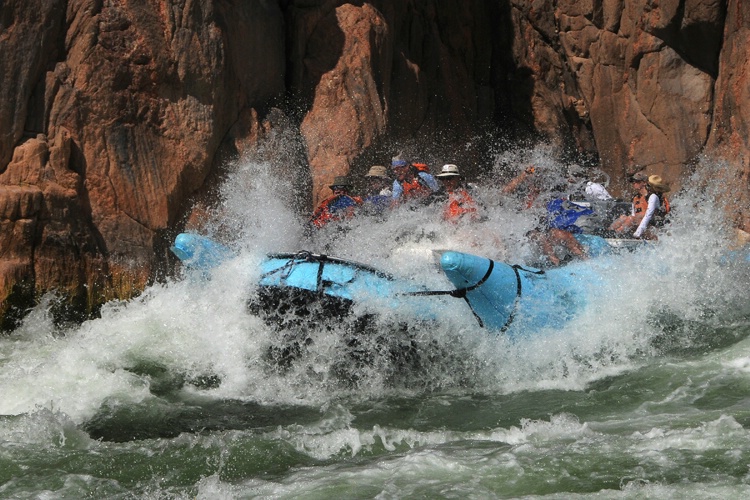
(460, 293)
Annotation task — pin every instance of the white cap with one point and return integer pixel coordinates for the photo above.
(449, 170)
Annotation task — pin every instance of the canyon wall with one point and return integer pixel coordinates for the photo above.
(117, 115)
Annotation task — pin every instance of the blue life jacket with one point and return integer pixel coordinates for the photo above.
(376, 203)
(341, 203)
(563, 214)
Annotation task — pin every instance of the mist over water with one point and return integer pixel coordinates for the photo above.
(174, 395)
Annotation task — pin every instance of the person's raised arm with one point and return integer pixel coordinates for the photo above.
(516, 181)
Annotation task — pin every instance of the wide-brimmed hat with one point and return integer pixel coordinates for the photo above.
(658, 184)
(639, 177)
(378, 171)
(449, 170)
(341, 181)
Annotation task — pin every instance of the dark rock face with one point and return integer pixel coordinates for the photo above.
(113, 115)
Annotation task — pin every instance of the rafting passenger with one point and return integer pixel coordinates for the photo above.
(639, 206)
(642, 203)
(412, 182)
(379, 193)
(557, 245)
(657, 209)
(555, 238)
(552, 238)
(527, 183)
(341, 205)
(555, 234)
(460, 205)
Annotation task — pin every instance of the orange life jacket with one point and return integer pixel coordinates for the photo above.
(665, 204)
(325, 213)
(415, 188)
(640, 204)
(660, 216)
(460, 203)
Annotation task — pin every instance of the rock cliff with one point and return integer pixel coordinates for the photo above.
(116, 115)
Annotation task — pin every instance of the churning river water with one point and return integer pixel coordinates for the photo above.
(645, 394)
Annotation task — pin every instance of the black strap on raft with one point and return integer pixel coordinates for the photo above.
(461, 292)
(286, 269)
(307, 256)
(458, 292)
(319, 285)
(519, 290)
(303, 256)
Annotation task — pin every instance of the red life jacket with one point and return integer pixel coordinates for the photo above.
(415, 188)
(460, 203)
(324, 214)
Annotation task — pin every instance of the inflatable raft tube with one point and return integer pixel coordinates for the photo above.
(514, 299)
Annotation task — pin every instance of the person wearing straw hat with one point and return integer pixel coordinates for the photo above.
(460, 203)
(378, 196)
(658, 207)
(378, 181)
(626, 223)
(337, 207)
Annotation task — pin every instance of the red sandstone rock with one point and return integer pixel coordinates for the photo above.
(133, 100)
(730, 131)
(347, 112)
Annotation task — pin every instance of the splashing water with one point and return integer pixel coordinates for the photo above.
(184, 369)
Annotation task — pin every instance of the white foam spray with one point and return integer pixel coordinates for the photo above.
(198, 335)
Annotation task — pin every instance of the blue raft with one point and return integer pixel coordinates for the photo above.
(504, 298)
(198, 252)
(306, 276)
(339, 278)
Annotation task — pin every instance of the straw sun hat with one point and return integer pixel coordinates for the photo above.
(658, 184)
(378, 171)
